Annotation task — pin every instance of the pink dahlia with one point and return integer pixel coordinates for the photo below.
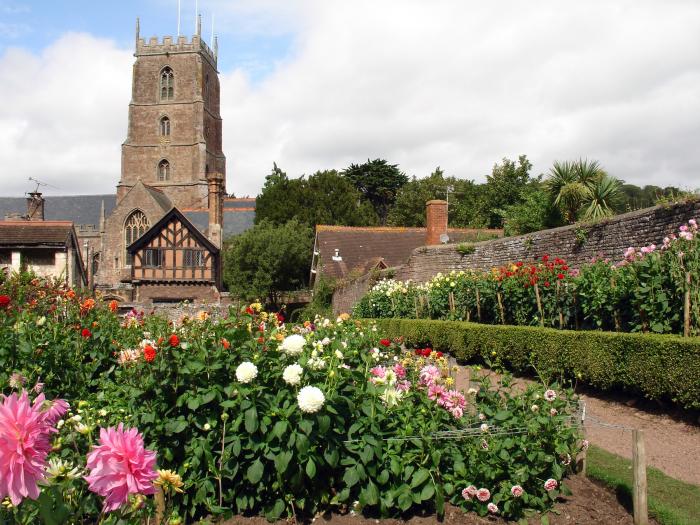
(516, 491)
(120, 466)
(483, 494)
(399, 370)
(493, 508)
(24, 445)
(429, 374)
(550, 484)
(469, 492)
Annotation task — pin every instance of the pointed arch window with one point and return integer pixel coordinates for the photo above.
(135, 226)
(167, 84)
(164, 127)
(163, 170)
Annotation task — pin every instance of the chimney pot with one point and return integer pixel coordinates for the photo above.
(436, 221)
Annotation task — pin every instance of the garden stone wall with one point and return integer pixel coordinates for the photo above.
(577, 244)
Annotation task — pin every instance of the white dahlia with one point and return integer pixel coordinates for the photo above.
(293, 344)
(292, 374)
(310, 399)
(246, 372)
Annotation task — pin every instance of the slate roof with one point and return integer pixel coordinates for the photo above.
(363, 248)
(35, 233)
(79, 209)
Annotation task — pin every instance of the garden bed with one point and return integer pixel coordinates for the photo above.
(589, 504)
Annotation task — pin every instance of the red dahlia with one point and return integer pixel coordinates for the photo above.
(174, 340)
(385, 342)
(149, 353)
(86, 333)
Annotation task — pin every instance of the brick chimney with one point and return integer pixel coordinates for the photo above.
(35, 207)
(436, 221)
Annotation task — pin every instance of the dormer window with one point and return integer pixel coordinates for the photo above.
(165, 127)
(167, 84)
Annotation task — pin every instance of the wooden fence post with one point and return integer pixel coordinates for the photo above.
(478, 305)
(639, 491)
(500, 307)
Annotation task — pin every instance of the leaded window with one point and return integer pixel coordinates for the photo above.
(193, 258)
(167, 84)
(152, 258)
(163, 170)
(165, 127)
(134, 227)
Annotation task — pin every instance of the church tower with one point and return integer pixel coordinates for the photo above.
(173, 142)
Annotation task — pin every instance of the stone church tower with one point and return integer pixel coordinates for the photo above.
(173, 141)
(172, 159)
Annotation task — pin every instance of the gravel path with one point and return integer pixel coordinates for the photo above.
(672, 445)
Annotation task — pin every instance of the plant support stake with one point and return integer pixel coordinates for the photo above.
(639, 491)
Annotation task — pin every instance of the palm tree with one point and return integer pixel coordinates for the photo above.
(581, 184)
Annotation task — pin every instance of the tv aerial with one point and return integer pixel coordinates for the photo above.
(39, 183)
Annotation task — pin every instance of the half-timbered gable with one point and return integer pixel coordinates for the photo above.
(174, 261)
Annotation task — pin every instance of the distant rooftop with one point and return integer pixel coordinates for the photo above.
(80, 209)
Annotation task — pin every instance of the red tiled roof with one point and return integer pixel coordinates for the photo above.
(361, 248)
(31, 233)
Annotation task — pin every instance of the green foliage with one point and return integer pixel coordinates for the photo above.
(465, 248)
(533, 212)
(660, 367)
(378, 181)
(409, 208)
(582, 189)
(321, 301)
(646, 292)
(505, 187)
(268, 259)
(325, 197)
(246, 443)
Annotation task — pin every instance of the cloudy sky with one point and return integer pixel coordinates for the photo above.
(322, 83)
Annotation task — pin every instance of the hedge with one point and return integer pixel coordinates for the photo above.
(660, 367)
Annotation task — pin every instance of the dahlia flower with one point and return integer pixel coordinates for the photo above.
(493, 508)
(292, 374)
(24, 445)
(246, 372)
(516, 491)
(310, 399)
(169, 481)
(483, 494)
(550, 395)
(119, 466)
(469, 492)
(293, 344)
(429, 374)
(550, 484)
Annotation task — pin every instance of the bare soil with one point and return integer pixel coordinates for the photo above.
(589, 504)
(671, 437)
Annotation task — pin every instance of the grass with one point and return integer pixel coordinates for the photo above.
(671, 502)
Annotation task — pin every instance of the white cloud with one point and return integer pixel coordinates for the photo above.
(462, 84)
(63, 116)
(452, 83)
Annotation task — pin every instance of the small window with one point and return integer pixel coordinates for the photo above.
(193, 258)
(167, 84)
(165, 127)
(152, 258)
(163, 170)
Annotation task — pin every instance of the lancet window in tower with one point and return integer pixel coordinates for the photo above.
(134, 227)
(165, 127)
(163, 170)
(167, 84)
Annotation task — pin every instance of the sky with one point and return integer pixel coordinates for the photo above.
(321, 84)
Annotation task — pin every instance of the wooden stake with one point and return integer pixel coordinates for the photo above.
(160, 505)
(639, 491)
(415, 305)
(561, 314)
(500, 307)
(478, 305)
(451, 300)
(539, 304)
(686, 307)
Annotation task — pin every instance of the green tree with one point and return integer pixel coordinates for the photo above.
(409, 208)
(532, 213)
(268, 259)
(326, 197)
(582, 189)
(504, 187)
(379, 182)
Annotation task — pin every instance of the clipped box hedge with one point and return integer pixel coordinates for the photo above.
(662, 367)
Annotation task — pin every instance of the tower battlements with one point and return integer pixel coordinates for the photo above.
(169, 45)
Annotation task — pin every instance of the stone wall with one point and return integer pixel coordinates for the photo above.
(348, 294)
(577, 244)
